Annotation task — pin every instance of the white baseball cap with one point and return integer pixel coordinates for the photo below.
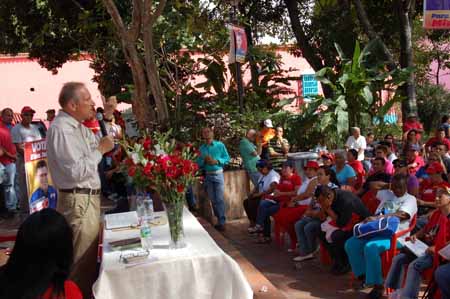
(268, 123)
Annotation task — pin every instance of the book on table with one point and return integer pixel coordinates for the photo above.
(122, 220)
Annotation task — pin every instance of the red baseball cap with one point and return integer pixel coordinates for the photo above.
(312, 164)
(27, 109)
(435, 168)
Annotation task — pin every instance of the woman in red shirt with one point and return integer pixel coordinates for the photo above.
(352, 160)
(428, 187)
(39, 265)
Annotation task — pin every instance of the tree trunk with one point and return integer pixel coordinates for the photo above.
(371, 33)
(404, 10)
(128, 37)
(148, 20)
(309, 51)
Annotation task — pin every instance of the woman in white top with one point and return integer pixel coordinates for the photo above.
(288, 215)
(266, 185)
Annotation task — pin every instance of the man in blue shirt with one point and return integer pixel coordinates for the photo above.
(213, 157)
(44, 196)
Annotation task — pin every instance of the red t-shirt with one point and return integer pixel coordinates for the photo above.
(433, 140)
(428, 190)
(360, 172)
(71, 291)
(93, 125)
(432, 228)
(419, 161)
(287, 185)
(409, 125)
(7, 144)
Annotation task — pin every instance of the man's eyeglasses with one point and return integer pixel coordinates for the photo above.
(27, 114)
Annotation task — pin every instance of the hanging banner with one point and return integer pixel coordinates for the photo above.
(43, 195)
(436, 14)
(238, 44)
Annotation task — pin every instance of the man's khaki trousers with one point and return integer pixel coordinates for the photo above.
(82, 212)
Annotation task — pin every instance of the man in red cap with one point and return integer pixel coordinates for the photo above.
(23, 132)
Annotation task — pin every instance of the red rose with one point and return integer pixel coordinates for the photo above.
(148, 169)
(147, 143)
(187, 167)
(132, 171)
(164, 161)
(180, 188)
(129, 162)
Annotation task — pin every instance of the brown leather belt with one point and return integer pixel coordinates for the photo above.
(81, 191)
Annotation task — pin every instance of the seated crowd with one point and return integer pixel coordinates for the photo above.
(321, 208)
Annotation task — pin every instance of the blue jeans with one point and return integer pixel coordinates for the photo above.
(307, 230)
(442, 277)
(190, 197)
(265, 210)
(364, 257)
(413, 277)
(254, 177)
(214, 184)
(9, 191)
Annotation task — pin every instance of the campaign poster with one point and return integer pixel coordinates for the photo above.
(238, 44)
(436, 14)
(39, 184)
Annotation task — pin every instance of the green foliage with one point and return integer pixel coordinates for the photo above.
(357, 88)
(433, 101)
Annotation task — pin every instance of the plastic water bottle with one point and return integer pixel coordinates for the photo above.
(146, 235)
(145, 206)
(148, 204)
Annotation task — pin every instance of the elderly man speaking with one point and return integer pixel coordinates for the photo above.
(73, 157)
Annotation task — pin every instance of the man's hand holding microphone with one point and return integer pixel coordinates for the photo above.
(106, 144)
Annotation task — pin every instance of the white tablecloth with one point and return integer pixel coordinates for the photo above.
(199, 271)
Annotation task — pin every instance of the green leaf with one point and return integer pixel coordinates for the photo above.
(367, 95)
(356, 55)
(340, 51)
(342, 121)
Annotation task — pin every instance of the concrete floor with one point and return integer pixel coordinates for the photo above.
(310, 280)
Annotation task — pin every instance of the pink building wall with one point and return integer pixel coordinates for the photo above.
(18, 74)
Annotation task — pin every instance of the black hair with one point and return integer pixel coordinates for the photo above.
(411, 131)
(438, 143)
(389, 135)
(354, 153)
(370, 133)
(400, 178)
(323, 191)
(41, 258)
(383, 148)
(444, 119)
(41, 164)
(331, 173)
(441, 129)
(383, 161)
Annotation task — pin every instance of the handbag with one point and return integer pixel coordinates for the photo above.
(382, 227)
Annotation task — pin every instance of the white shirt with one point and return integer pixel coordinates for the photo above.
(392, 157)
(266, 180)
(391, 203)
(357, 144)
(303, 189)
(20, 134)
(72, 154)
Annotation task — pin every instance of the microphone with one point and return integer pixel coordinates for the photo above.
(101, 122)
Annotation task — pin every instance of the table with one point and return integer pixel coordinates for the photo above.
(201, 270)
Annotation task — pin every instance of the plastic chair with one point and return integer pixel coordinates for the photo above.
(388, 255)
(280, 235)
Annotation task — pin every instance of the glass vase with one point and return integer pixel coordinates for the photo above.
(174, 212)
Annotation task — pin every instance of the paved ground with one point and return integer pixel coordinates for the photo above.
(310, 280)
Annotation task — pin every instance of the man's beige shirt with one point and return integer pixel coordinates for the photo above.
(72, 152)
